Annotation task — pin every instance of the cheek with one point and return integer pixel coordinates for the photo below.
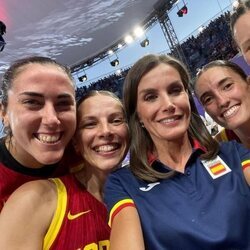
(12, 119)
(68, 117)
(82, 140)
(123, 134)
(211, 109)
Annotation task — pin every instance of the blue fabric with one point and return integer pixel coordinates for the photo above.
(190, 210)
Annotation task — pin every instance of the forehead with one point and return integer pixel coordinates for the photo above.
(39, 76)
(99, 105)
(215, 74)
(162, 72)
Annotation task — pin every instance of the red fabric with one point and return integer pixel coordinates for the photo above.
(86, 230)
(10, 180)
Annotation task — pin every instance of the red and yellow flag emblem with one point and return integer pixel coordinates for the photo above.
(217, 168)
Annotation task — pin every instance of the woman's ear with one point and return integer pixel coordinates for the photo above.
(4, 116)
(248, 80)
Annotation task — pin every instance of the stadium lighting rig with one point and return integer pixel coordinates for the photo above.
(182, 11)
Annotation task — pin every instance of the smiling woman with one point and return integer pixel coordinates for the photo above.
(224, 90)
(163, 199)
(67, 212)
(38, 111)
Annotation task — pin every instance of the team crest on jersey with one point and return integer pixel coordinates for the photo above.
(216, 167)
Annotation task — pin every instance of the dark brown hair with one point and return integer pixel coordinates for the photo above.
(141, 142)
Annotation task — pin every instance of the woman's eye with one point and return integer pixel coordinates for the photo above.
(64, 103)
(87, 125)
(150, 97)
(118, 121)
(176, 90)
(207, 100)
(228, 86)
(31, 102)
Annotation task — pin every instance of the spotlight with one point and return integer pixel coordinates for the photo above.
(83, 78)
(114, 63)
(119, 46)
(118, 72)
(110, 52)
(138, 31)
(144, 43)
(182, 11)
(128, 39)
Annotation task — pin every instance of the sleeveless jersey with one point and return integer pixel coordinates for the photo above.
(80, 220)
(13, 174)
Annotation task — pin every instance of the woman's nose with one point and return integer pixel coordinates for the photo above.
(50, 115)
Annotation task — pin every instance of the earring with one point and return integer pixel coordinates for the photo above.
(142, 124)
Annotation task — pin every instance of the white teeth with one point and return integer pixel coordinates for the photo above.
(105, 148)
(168, 120)
(230, 111)
(48, 138)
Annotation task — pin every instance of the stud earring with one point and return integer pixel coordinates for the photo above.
(142, 124)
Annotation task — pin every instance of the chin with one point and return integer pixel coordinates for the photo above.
(110, 167)
(50, 160)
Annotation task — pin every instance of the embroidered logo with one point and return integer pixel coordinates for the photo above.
(75, 216)
(149, 186)
(216, 168)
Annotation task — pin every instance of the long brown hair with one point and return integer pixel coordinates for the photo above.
(141, 142)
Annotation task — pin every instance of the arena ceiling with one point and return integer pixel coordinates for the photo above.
(68, 30)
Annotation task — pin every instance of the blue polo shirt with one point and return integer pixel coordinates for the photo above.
(192, 210)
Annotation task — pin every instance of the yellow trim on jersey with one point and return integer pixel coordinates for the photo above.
(117, 205)
(221, 136)
(58, 216)
(245, 163)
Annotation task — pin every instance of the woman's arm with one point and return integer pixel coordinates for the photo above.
(246, 172)
(27, 215)
(126, 232)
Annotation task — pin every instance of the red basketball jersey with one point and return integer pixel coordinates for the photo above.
(10, 180)
(80, 220)
(13, 174)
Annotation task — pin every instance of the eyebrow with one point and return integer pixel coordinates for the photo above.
(146, 91)
(221, 82)
(156, 89)
(35, 94)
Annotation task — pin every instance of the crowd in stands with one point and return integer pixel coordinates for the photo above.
(213, 42)
(111, 83)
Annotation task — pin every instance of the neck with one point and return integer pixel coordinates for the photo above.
(175, 154)
(21, 155)
(244, 135)
(93, 181)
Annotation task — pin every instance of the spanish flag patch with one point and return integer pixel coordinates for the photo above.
(216, 167)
